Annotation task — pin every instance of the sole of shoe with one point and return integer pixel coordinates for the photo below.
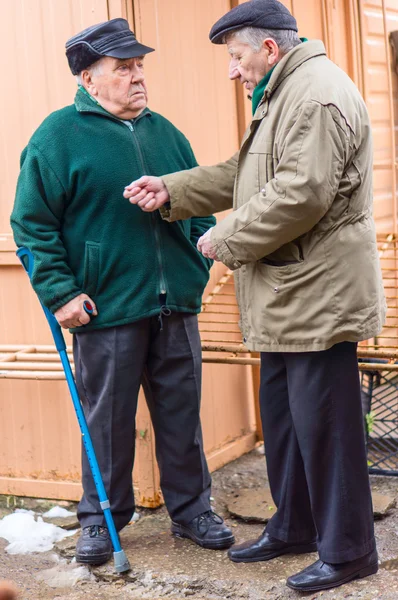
(302, 549)
(183, 532)
(365, 572)
(95, 560)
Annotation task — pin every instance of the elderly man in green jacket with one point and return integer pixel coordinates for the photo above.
(302, 242)
(144, 277)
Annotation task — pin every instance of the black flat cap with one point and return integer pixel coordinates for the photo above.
(264, 14)
(112, 38)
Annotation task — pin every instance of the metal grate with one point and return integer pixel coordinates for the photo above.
(380, 399)
(221, 336)
(380, 385)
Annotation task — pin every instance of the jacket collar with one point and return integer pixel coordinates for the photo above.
(289, 63)
(85, 103)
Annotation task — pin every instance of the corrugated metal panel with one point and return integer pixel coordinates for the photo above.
(187, 76)
(40, 454)
(38, 79)
(377, 62)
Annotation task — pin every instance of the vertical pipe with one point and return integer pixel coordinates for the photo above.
(364, 58)
(354, 42)
(392, 124)
(325, 28)
(240, 97)
(130, 11)
(256, 390)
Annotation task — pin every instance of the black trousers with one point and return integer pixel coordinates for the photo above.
(315, 449)
(110, 366)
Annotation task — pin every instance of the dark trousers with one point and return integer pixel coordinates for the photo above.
(110, 366)
(315, 448)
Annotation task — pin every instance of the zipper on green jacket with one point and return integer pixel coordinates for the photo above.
(163, 288)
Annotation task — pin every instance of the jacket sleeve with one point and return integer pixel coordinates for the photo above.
(304, 186)
(36, 223)
(201, 191)
(199, 225)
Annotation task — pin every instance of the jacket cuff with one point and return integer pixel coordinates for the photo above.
(165, 211)
(59, 301)
(225, 255)
(171, 211)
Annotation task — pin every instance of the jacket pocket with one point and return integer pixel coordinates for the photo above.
(261, 154)
(91, 268)
(289, 254)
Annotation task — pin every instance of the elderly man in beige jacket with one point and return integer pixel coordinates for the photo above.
(301, 240)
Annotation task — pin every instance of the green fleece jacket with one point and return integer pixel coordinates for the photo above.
(85, 237)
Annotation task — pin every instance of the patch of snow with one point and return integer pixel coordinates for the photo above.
(260, 449)
(24, 511)
(25, 534)
(57, 512)
(136, 517)
(65, 575)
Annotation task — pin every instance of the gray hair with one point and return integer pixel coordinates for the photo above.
(94, 69)
(286, 39)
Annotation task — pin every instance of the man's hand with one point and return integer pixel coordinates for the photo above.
(149, 193)
(73, 314)
(206, 247)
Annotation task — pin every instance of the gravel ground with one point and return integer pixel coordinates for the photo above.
(165, 567)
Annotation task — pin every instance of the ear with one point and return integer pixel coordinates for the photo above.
(273, 51)
(88, 83)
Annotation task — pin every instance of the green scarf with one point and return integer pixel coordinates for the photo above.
(259, 90)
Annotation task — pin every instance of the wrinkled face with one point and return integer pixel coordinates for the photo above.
(250, 67)
(119, 86)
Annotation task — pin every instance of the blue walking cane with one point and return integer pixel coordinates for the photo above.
(120, 560)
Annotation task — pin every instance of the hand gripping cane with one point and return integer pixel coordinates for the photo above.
(121, 562)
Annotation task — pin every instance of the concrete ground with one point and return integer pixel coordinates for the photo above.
(165, 567)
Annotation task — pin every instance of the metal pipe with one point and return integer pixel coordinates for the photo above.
(377, 367)
(33, 375)
(392, 125)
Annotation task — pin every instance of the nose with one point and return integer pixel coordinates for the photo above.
(233, 69)
(137, 75)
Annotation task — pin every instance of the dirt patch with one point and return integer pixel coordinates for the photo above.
(166, 567)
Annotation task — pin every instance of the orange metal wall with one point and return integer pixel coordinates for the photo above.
(188, 83)
(377, 76)
(40, 451)
(187, 75)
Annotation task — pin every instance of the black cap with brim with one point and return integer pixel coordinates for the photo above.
(112, 38)
(263, 14)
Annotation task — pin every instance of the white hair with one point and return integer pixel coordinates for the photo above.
(94, 69)
(286, 39)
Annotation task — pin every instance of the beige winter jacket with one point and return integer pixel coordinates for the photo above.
(302, 236)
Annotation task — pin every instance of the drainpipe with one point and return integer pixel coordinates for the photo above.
(392, 125)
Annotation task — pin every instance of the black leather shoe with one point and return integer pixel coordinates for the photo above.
(266, 548)
(94, 546)
(206, 530)
(322, 576)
